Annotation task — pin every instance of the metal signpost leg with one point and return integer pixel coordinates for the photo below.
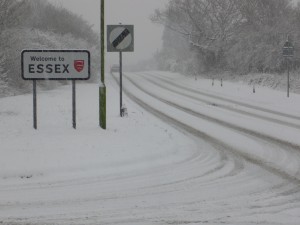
(288, 78)
(74, 103)
(288, 52)
(34, 106)
(121, 85)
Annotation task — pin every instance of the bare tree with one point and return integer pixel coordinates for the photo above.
(244, 35)
(208, 24)
(12, 13)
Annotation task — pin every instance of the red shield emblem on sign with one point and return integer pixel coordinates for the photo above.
(78, 65)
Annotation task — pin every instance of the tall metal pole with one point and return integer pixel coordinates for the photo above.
(102, 87)
(288, 77)
(121, 85)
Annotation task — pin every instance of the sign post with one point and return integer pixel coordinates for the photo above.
(55, 65)
(34, 106)
(120, 38)
(74, 103)
(121, 85)
(288, 52)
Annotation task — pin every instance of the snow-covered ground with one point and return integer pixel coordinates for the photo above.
(215, 155)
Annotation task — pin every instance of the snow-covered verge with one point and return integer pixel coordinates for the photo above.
(56, 149)
(56, 174)
(273, 81)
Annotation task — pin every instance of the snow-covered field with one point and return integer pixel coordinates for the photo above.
(215, 155)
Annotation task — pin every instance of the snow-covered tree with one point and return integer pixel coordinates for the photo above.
(238, 35)
(31, 24)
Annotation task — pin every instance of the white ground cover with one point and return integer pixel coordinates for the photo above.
(264, 98)
(142, 170)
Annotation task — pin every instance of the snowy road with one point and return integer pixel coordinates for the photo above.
(260, 135)
(217, 119)
(215, 156)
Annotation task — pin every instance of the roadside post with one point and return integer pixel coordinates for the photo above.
(288, 52)
(121, 85)
(74, 103)
(55, 65)
(34, 105)
(120, 38)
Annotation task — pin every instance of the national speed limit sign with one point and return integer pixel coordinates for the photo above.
(120, 38)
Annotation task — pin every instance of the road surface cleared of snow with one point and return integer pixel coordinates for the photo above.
(205, 161)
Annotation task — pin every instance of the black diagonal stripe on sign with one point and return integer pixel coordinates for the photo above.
(120, 38)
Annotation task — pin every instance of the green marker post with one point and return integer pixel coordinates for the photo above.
(102, 87)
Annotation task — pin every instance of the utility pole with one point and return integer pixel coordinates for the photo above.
(102, 87)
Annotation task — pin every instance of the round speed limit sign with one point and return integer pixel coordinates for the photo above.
(120, 38)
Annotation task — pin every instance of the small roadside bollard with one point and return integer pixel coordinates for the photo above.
(254, 89)
(221, 82)
(213, 82)
(124, 111)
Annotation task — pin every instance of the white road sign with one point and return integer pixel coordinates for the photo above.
(56, 65)
(120, 38)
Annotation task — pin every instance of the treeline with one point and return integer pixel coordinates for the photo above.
(31, 24)
(241, 36)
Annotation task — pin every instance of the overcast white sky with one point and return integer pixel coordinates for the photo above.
(137, 12)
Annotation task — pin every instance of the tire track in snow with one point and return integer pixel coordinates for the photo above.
(212, 186)
(198, 133)
(229, 108)
(217, 166)
(165, 80)
(277, 190)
